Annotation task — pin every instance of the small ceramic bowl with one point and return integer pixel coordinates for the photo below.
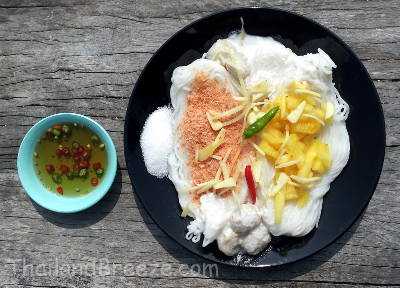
(34, 187)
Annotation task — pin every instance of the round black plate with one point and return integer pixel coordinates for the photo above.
(349, 193)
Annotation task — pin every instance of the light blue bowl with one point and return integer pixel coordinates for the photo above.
(31, 183)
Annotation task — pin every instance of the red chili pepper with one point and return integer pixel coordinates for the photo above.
(60, 190)
(65, 151)
(85, 154)
(80, 150)
(76, 158)
(49, 135)
(250, 183)
(49, 168)
(64, 168)
(83, 164)
(94, 181)
(57, 127)
(59, 152)
(96, 165)
(75, 167)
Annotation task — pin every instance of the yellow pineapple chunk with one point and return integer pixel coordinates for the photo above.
(312, 156)
(292, 142)
(268, 149)
(295, 147)
(309, 99)
(284, 159)
(291, 193)
(277, 124)
(319, 113)
(292, 103)
(303, 199)
(305, 169)
(277, 133)
(324, 155)
(309, 108)
(305, 126)
(308, 140)
(273, 136)
(318, 166)
(280, 100)
(279, 205)
(291, 170)
(323, 147)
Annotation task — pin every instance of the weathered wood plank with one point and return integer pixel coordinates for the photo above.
(84, 56)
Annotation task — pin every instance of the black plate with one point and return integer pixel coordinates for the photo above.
(349, 193)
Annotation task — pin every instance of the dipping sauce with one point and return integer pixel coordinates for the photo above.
(70, 159)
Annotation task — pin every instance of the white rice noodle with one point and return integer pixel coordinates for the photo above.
(256, 59)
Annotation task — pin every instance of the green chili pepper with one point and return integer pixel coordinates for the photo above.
(66, 129)
(260, 123)
(83, 172)
(56, 132)
(94, 139)
(99, 171)
(56, 178)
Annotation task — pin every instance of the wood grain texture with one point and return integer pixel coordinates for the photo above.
(84, 56)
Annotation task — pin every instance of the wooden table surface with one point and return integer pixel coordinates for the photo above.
(84, 56)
